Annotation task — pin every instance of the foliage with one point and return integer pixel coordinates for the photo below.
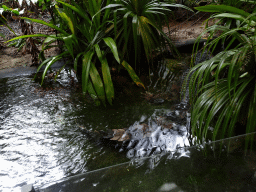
(138, 26)
(28, 45)
(241, 4)
(246, 5)
(3, 19)
(233, 3)
(90, 30)
(226, 92)
(86, 42)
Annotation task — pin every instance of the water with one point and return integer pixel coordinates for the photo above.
(29, 133)
(207, 168)
(52, 132)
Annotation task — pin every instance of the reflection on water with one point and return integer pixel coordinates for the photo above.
(206, 170)
(51, 132)
(29, 133)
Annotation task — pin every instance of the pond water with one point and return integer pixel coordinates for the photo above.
(207, 168)
(52, 132)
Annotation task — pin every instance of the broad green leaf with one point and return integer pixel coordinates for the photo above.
(132, 74)
(3, 20)
(98, 52)
(108, 84)
(251, 124)
(92, 92)
(111, 6)
(26, 36)
(176, 5)
(86, 65)
(69, 44)
(58, 72)
(77, 10)
(49, 63)
(43, 63)
(223, 8)
(230, 15)
(109, 88)
(50, 38)
(76, 60)
(97, 83)
(147, 38)
(135, 35)
(66, 19)
(111, 43)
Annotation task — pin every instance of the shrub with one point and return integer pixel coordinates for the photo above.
(226, 83)
(90, 30)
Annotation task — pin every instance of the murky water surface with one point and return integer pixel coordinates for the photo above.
(203, 170)
(53, 132)
(48, 133)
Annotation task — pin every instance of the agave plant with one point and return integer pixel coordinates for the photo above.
(226, 90)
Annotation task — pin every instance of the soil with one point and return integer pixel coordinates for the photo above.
(179, 31)
(11, 57)
(185, 27)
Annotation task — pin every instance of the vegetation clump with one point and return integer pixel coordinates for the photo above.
(99, 36)
(226, 92)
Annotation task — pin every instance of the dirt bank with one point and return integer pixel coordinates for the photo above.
(10, 57)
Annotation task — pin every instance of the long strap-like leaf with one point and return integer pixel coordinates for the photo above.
(108, 84)
(97, 83)
(86, 69)
(132, 74)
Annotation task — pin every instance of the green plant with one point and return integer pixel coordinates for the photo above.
(241, 4)
(226, 91)
(3, 19)
(138, 26)
(90, 30)
(233, 3)
(87, 40)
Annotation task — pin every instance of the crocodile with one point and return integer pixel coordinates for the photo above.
(200, 57)
(164, 131)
